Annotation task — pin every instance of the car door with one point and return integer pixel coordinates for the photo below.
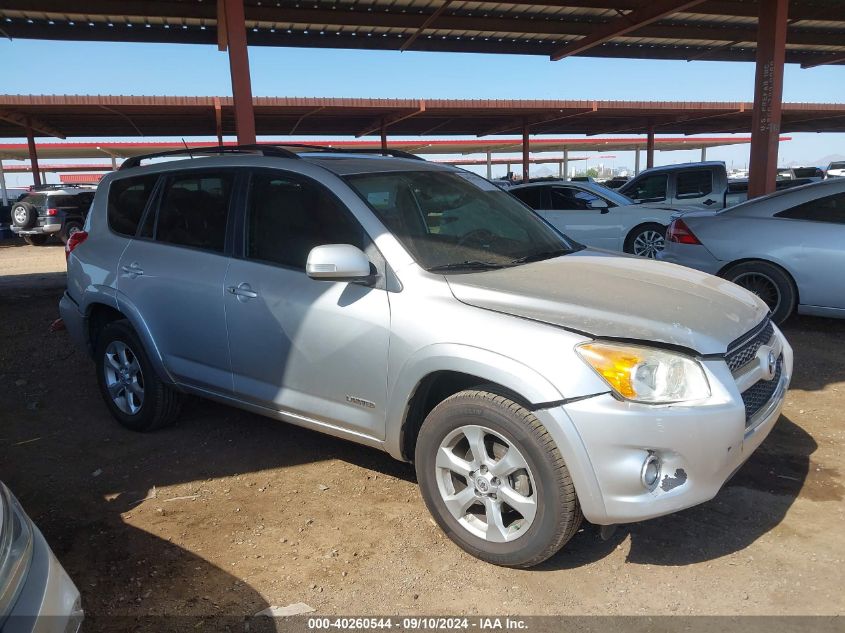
(814, 235)
(316, 349)
(695, 188)
(584, 216)
(172, 275)
(647, 188)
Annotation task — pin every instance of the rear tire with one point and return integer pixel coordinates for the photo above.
(769, 282)
(646, 240)
(38, 239)
(515, 479)
(69, 229)
(131, 389)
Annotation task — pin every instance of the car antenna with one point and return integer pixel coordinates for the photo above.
(187, 148)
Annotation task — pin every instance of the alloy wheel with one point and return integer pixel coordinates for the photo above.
(761, 285)
(648, 244)
(124, 378)
(486, 484)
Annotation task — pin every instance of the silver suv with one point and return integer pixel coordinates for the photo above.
(420, 309)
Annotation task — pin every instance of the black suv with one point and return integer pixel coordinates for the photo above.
(56, 209)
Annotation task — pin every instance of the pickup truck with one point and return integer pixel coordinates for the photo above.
(690, 186)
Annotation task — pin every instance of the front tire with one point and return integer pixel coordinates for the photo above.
(36, 239)
(646, 240)
(494, 480)
(131, 389)
(769, 282)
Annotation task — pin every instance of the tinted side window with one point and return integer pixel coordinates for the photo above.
(571, 198)
(532, 196)
(694, 184)
(127, 200)
(287, 216)
(651, 188)
(828, 209)
(194, 209)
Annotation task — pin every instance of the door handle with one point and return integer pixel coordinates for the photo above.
(243, 291)
(133, 270)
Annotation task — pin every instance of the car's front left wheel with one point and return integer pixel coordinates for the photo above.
(494, 480)
(132, 390)
(646, 240)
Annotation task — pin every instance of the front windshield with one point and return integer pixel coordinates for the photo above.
(457, 220)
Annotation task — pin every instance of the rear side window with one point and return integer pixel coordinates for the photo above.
(194, 210)
(288, 216)
(127, 200)
(828, 209)
(694, 184)
(532, 196)
(569, 198)
(35, 199)
(648, 188)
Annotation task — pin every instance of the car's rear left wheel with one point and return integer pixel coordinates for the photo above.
(769, 282)
(646, 240)
(494, 480)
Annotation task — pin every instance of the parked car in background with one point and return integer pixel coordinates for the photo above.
(836, 169)
(51, 210)
(35, 592)
(597, 216)
(788, 248)
(800, 173)
(615, 182)
(420, 309)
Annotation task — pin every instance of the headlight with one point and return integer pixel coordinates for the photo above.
(645, 374)
(15, 550)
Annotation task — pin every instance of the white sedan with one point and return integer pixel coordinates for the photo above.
(598, 216)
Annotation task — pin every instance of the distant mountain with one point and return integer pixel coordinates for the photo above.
(824, 161)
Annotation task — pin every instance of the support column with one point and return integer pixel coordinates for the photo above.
(636, 162)
(4, 195)
(113, 163)
(768, 95)
(560, 170)
(649, 147)
(383, 138)
(703, 154)
(489, 166)
(218, 120)
(508, 173)
(33, 156)
(566, 164)
(525, 152)
(239, 68)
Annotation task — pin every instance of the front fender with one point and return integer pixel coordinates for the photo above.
(486, 365)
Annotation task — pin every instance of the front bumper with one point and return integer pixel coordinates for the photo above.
(699, 446)
(49, 602)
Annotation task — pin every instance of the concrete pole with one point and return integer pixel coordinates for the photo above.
(526, 148)
(4, 195)
(489, 166)
(768, 96)
(566, 163)
(703, 154)
(113, 163)
(33, 156)
(239, 69)
(509, 168)
(560, 170)
(636, 162)
(649, 148)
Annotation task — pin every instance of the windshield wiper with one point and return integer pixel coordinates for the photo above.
(536, 257)
(467, 265)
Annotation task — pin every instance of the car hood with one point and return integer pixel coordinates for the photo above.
(603, 294)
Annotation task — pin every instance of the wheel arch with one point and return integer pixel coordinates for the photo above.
(751, 260)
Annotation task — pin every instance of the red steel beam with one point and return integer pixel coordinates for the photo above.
(768, 96)
(638, 18)
(821, 60)
(649, 148)
(33, 155)
(239, 67)
(427, 23)
(526, 148)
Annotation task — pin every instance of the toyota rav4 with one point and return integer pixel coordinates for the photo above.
(422, 310)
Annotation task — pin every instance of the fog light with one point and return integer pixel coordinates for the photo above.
(650, 473)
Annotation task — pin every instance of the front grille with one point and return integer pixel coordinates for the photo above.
(744, 349)
(758, 395)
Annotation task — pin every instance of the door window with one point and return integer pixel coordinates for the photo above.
(126, 203)
(194, 210)
(696, 183)
(827, 209)
(533, 197)
(289, 215)
(649, 188)
(570, 198)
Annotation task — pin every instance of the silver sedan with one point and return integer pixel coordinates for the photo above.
(787, 247)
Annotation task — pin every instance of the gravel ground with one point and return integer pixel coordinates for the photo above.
(228, 512)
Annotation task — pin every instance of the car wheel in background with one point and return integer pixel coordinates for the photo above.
(39, 239)
(132, 390)
(494, 480)
(24, 215)
(769, 282)
(646, 240)
(69, 229)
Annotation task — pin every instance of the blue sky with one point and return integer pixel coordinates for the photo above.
(42, 67)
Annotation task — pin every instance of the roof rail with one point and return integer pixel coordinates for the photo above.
(265, 150)
(396, 153)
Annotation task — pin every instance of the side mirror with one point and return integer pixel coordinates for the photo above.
(337, 262)
(597, 203)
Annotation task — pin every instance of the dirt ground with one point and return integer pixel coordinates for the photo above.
(228, 512)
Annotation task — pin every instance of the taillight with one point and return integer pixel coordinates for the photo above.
(679, 232)
(52, 211)
(73, 241)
